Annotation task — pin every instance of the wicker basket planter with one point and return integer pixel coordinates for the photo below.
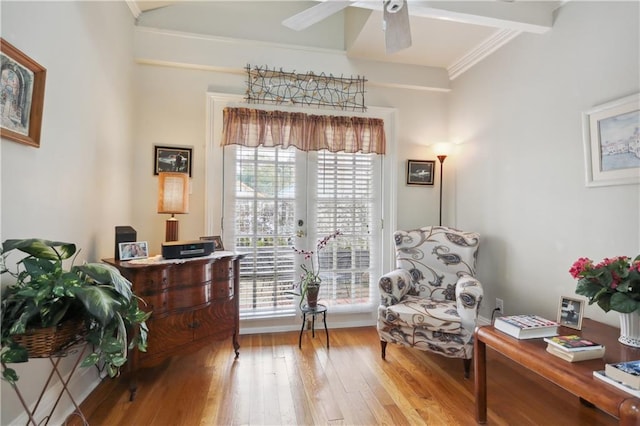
(44, 342)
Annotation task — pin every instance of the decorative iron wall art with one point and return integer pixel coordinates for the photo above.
(270, 86)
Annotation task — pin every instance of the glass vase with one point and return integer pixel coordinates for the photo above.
(630, 329)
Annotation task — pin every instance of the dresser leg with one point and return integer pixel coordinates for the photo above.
(236, 345)
(133, 388)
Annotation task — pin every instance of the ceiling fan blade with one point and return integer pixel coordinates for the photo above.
(315, 14)
(397, 33)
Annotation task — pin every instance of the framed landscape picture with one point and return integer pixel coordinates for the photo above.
(21, 96)
(420, 172)
(172, 159)
(611, 134)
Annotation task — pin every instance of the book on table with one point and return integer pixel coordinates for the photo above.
(602, 375)
(526, 326)
(572, 343)
(575, 356)
(625, 372)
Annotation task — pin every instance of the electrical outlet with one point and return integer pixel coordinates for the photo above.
(500, 305)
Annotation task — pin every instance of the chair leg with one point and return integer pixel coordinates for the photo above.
(467, 367)
(383, 348)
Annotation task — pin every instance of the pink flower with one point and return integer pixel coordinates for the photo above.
(580, 266)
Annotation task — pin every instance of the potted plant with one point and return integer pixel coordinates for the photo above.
(310, 279)
(46, 296)
(614, 284)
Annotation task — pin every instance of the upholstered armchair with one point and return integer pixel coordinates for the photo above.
(430, 302)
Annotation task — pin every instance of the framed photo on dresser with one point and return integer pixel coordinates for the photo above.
(570, 312)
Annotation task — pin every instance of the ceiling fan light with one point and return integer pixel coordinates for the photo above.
(393, 6)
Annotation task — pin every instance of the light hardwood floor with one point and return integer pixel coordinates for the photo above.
(275, 383)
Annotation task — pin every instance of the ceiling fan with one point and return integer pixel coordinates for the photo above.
(397, 33)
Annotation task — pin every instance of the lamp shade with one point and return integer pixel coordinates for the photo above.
(173, 193)
(443, 148)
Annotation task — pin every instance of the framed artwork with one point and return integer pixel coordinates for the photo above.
(570, 312)
(172, 159)
(611, 134)
(21, 96)
(217, 242)
(420, 172)
(136, 250)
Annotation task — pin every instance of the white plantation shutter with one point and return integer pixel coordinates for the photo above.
(259, 215)
(346, 198)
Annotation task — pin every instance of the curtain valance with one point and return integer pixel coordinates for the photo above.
(307, 132)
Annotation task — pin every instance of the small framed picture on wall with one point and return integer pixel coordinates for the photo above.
(172, 159)
(420, 172)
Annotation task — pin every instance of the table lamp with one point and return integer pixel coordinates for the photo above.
(173, 198)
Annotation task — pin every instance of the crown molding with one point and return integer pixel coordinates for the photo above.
(133, 7)
(481, 51)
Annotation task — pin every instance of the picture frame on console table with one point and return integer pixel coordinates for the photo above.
(133, 250)
(570, 312)
(22, 96)
(217, 242)
(612, 142)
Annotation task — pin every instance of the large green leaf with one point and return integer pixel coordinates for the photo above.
(622, 303)
(99, 302)
(43, 249)
(107, 274)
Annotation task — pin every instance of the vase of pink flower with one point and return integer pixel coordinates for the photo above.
(614, 284)
(310, 280)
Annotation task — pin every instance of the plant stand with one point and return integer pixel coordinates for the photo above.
(318, 309)
(55, 360)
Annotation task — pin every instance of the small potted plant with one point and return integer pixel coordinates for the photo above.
(91, 302)
(310, 279)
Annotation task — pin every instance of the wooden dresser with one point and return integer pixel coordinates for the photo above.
(193, 302)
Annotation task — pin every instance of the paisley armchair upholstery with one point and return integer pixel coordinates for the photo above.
(430, 302)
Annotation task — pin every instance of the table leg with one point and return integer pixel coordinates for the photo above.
(313, 325)
(630, 412)
(480, 378)
(304, 320)
(326, 330)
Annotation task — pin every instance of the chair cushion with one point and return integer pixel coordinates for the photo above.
(424, 313)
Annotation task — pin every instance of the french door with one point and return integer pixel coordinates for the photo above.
(276, 199)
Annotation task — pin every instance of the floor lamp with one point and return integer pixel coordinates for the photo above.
(173, 198)
(442, 150)
(441, 157)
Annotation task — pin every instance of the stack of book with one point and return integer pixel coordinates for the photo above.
(623, 375)
(526, 326)
(574, 348)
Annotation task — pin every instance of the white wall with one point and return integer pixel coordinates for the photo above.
(77, 186)
(520, 172)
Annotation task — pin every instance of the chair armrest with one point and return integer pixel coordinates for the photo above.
(469, 293)
(393, 286)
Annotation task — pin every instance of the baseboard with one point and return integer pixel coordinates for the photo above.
(292, 327)
(483, 321)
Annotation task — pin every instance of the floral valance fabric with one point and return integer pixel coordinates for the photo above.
(254, 127)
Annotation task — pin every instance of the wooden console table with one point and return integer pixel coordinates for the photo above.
(193, 302)
(576, 378)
